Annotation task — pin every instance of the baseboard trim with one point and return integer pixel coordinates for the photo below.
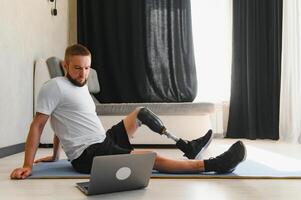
(13, 149)
(45, 145)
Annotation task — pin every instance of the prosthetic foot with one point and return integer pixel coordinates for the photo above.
(195, 148)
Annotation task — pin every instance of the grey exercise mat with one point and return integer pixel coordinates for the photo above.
(249, 169)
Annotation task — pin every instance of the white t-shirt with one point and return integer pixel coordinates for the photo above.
(73, 116)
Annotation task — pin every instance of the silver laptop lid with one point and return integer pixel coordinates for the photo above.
(120, 172)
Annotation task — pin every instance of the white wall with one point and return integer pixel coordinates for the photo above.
(27, 32)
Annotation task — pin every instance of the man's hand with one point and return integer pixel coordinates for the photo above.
(46, 159)
(21, 173)
(31, 146)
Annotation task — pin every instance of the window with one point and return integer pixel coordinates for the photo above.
(212, 38)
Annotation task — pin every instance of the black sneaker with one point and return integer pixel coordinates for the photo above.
(227, 162)
(194, 149)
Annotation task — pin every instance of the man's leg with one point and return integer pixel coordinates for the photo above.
(164, 164)
(223, 163)
(130, 123)
(192, 149)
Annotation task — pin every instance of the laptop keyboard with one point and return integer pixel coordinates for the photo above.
(84, 185)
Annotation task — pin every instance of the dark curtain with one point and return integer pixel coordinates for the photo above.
(141, 49)
(256, 68)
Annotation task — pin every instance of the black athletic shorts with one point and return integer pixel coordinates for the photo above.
(116, 142)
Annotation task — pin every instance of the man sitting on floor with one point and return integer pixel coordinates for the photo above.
(78, 129)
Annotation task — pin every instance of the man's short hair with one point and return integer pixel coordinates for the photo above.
(76, 50)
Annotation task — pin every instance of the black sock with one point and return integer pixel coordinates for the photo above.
(209, 166)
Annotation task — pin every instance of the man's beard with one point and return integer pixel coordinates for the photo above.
(75, 82)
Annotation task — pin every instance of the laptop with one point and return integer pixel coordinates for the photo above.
(116, 173)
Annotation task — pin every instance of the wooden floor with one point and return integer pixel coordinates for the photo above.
(274, 153)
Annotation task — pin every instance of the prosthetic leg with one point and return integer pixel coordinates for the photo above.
(192, 149)
(152, 121)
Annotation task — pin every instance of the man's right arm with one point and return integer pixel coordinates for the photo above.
(32, 143)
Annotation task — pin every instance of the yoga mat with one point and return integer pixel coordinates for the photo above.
(249, 169)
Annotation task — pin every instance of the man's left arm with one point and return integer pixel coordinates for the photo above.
(56, 152)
